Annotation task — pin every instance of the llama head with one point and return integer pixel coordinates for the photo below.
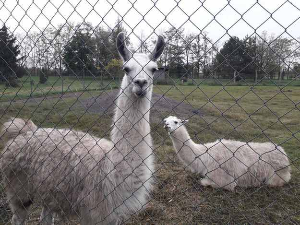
(139, 67)
(172, 123)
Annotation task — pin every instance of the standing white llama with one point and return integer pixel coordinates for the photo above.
(74, 173)
(228, 163)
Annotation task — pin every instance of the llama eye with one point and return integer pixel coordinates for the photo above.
(175, 122)
(126, 69)
(153, 70)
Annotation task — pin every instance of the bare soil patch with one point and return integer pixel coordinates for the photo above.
(104, 103)
(161, 105)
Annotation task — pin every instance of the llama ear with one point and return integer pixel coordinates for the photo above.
(122, 48)
(160, 45)
(184, 121)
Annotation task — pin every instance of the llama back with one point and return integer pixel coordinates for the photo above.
(267, 163)
(270, 153)
(55, 144)
(248, 153)
(16, 126)
(249, 163)
(12, 130)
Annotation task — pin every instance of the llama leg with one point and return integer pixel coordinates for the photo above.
(279, 178)
(58, 219)
(19, 213)
(224, 180)
(219, 179)
(46, 216)
(18, 196)
(85, 217)
(206, 182)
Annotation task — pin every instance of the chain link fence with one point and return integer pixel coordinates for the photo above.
(94, 82)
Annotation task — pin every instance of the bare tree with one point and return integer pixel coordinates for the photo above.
(188, 39)
(143, 43)
(203, 51)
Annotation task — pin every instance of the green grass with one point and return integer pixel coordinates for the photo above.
(229, 82)
(233, 113)
(261, 113)
(30, 87)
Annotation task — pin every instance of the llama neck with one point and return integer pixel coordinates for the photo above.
(131, 126)
(131, 159)
(183, 142)
(187, 150)
(180, 138)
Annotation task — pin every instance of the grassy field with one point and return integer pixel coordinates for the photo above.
(30, 87)
(243, 82)
(246, 113)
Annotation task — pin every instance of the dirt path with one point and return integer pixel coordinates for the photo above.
(105, 103)
(161, 105)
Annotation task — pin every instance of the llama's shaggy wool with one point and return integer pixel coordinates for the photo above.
(74, 173)
(229, 163)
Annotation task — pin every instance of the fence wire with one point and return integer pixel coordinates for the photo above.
(87, 91)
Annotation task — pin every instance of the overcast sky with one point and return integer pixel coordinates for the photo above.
(148, 15)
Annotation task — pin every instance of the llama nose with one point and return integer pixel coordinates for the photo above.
(140, 82)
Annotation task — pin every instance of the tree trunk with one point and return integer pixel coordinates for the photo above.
(187, 64)
(280, 74)
(234, 76)
(256, 76)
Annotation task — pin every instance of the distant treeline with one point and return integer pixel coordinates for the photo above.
(84, 50)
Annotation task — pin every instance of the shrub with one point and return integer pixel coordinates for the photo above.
(12, 83)
(162, 82)
(20, 72)
(43, 78)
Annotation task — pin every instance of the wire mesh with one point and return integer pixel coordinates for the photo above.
(91, 147)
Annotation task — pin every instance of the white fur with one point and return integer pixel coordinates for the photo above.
(228, 163)
(74, 173)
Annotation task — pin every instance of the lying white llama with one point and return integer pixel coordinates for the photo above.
(74, 173)
(228, 163)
